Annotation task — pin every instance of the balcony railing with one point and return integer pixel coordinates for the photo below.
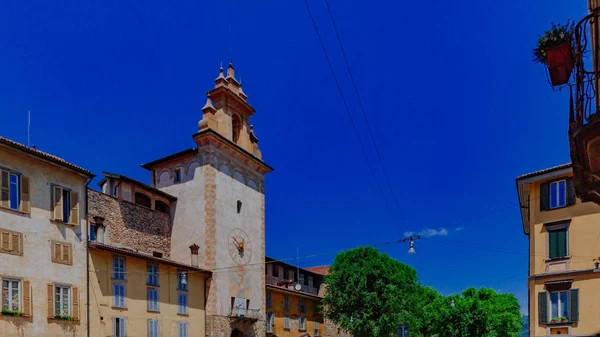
(251, 314)
(584, 98)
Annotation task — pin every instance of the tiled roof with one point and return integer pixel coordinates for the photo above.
(292, 290)
(137, 182)
(322, 270)
(149, 165)
(45, 156)
(133, 253)
(548, 170)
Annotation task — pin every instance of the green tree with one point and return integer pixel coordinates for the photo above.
(369, 294)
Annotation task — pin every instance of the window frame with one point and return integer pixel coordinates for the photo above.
(122, 332)
(19, 293)
(182, 308)
(152, 276)
(182, 329)
(153, 301)
(286, 321)
(302, 323)
(119, 300)
(286, 302)
(558, 303)
(316, 332)
(553, 227)
(153, 322)
(177, 175)
(269, 299)
(270, 321)
(301, 305)
(121, 273)
(551, 191)
(17, 193)
(58, 289)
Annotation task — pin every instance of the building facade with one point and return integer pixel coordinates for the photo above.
(563, 233)
(293, 302)
(43, 232)
(135, 289)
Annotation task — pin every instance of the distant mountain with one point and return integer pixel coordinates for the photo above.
(525, 330)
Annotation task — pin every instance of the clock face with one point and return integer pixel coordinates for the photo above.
(239, 246)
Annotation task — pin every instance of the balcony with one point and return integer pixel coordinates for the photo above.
(584, 118)
(245, 314)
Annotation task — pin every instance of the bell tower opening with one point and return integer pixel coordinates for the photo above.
(236, 126)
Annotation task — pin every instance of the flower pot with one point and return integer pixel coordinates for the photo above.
(560, 63)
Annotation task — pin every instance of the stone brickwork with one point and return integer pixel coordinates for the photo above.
(220, 326)
(332, 330)
(130, 225)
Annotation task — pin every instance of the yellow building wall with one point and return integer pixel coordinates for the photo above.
(136, 313)
(583, 247)
(35, 264)
(278, 308)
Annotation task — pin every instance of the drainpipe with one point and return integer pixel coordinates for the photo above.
(87, 257)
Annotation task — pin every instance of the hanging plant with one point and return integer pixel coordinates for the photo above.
(555, 50)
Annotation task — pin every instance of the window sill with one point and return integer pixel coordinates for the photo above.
(59, 222)
(152, 285)
(63, 263)
(119, 308)
(183, 315)
(153, 311)
(562, 258)
(560, 323)
(59, 321)
(15, 211)
(11, 253)
(118, 280)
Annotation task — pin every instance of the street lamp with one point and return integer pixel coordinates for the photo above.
(183, 278)
(411, 250)
(597, 264)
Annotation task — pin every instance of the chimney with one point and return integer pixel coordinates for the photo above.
(194, 252)
(100, 229)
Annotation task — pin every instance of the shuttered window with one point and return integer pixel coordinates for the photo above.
(286, 302)
(302, 323)
(11, 242)
(62, 300)
(301, 305)
(560, 306)
(182, 328)
(118, 270)
(14, 191)
(65, 205)
(286, 321)
(152, 276)
(153, 328)
(119, 295)
(182, 304)
(269, 300)
(316, 329)
(119, 327)
(11, 295)
(558, 243)
(153, 299)
(557, 194)
(62, 252)
(269, 321)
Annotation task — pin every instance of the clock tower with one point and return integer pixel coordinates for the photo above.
(219, 185)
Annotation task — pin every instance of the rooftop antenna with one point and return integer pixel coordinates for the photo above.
(29, 128)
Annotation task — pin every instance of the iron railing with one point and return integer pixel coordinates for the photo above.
(584, 98)
(253, 314)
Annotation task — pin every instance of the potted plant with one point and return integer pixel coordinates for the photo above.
(555, 50)
(8, 312)
(64, 317)
(561, 319)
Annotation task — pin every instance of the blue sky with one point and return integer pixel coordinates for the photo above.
(456, 106)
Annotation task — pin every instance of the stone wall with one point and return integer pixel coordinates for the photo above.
(332, 330)
(220, 326)
(130, 225)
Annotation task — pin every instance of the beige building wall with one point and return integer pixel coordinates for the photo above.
(35, 265)
(136, 313)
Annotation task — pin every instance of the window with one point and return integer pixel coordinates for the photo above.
(152, 277)
(182, 280)
(286, 302)
(118, 272)
(120, 325)
(11, 242)
(236, 126)
(93, 232)
(153, 328)
(62, 300)
(286, 321)
(302, 323)
(559, 305)
(153, 299)
(14, 191)
(119, 294)
(301, 305)
(276, 271)
(558, 194)
(11, 295)
(269, 321)
(558, 243)
(316, 329)
(182, 304)
(269, 300)
(182, 328)
(143, 200)
(162, 207)
(65, 205)
(177, 177)
(62, 253)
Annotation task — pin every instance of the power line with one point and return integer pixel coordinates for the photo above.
(362, 109)
(337, 83)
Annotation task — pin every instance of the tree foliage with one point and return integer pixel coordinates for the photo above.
(368, 293)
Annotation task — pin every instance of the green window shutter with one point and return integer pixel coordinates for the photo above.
(562, 243)
(543, 307)
(571, 196)
(553, 244)
(544, 197)
(574, 305)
